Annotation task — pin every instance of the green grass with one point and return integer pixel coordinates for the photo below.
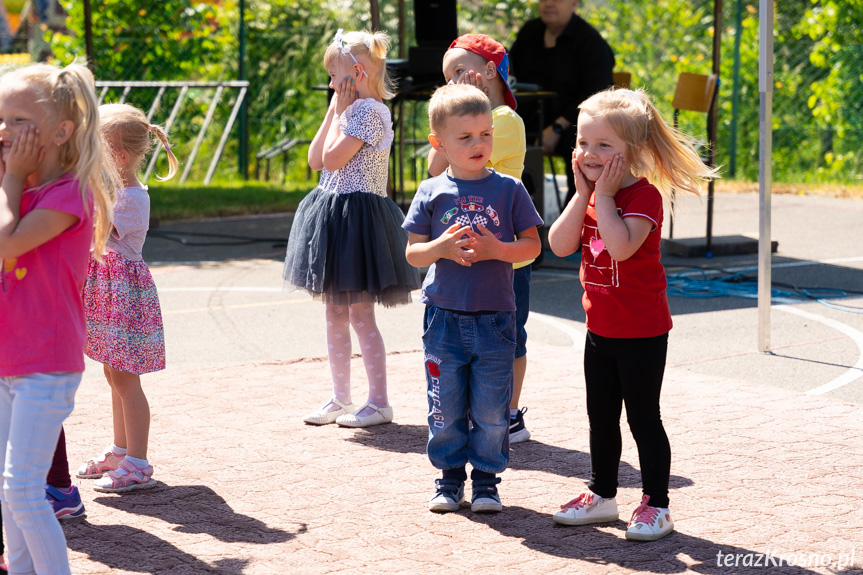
(235, 198)
(194, 200)
(170, 201)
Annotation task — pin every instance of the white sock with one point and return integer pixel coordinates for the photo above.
(139, 463)
(118, 450)
(513, 413)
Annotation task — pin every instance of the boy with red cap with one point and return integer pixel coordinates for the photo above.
(482, 61)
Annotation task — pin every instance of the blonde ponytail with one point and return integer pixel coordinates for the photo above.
(173, 164)
(127, 127)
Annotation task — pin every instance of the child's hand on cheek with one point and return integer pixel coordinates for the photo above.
(25, 155)
(612, 176)
(474, 79)
(583, 186)
(346, 94)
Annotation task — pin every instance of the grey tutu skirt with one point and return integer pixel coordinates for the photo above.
(350, 248)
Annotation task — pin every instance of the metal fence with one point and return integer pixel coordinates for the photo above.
(171, 96)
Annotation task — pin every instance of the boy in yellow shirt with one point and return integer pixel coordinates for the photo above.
(481, 61)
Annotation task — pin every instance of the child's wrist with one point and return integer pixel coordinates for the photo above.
(13, 177)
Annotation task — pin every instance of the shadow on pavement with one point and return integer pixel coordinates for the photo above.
(125, 548)
(689, 291)
(198, 509)
(530, 455)
(219, 240)
(676, 553)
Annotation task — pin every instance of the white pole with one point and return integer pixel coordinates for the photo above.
(765, 174)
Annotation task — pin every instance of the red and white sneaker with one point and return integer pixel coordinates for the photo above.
(95, 468)
(587, 508)
(127, 477)
(649, 523)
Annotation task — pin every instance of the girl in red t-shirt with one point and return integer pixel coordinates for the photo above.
(616, 217)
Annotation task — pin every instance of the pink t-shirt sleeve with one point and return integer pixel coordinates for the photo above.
(69, 200)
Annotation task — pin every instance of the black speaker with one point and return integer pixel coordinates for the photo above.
(533, 178)
(436, 22)
(424, 65)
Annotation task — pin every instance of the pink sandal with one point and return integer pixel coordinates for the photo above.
(95, 468)
(127, 477)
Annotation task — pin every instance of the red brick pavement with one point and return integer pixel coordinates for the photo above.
(246, 487)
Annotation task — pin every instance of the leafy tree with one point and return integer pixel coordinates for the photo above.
(818, 94)
(836, 96)
(166, 40)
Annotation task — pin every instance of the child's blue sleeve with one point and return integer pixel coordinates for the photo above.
(418, 219)
(524, 213)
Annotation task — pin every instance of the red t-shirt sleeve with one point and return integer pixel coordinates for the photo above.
(646, 203)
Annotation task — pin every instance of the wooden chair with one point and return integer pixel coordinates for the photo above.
(622, 79)
(694, 93)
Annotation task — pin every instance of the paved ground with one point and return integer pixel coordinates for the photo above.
(760, 466)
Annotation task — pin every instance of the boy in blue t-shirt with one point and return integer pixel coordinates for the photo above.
(469, 225)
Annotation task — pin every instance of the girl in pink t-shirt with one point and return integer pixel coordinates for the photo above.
(54, 185)
(616, 218)
(124, 319)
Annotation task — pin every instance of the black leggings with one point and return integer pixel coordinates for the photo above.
(626, 371)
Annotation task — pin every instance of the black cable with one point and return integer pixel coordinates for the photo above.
(240, 240)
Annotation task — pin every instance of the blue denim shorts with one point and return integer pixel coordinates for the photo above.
(521, 286)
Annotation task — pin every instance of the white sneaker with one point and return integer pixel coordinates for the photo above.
(587, 508)
(649, 523)
(517, 431)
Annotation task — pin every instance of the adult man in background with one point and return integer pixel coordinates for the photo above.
(562, 53)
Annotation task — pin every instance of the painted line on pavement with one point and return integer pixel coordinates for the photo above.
(221, 288)
(855, 372)
(234, 306)
(576, 335)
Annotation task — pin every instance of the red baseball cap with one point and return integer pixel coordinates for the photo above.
(493, 51)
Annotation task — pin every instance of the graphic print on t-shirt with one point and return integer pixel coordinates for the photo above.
(596, 257)
(473, 214)
(14, 272)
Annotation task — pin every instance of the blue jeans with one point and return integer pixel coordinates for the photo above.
(521, 286)
(468, 369)
(32, 409)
